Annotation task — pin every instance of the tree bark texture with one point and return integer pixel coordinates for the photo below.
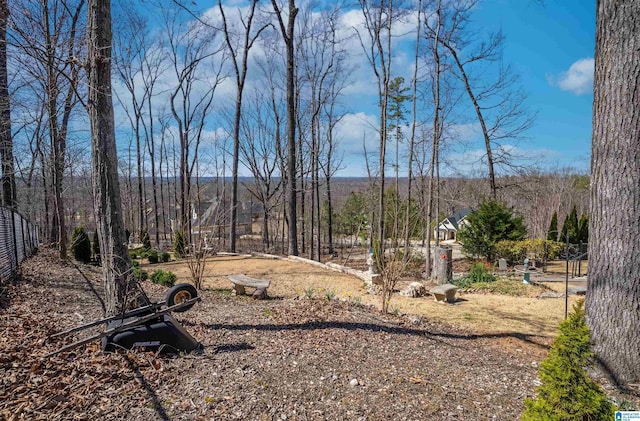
(6, 144)
(116, 265)
(613, 295)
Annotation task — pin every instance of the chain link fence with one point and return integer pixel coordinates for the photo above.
(18, 240)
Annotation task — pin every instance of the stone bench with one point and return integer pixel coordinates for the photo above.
(445, 292)
(241, 281)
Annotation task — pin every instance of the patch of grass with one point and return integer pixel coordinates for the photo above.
(514, 288)
(329, 294)
(267, 312)
(308, 293)
(395, 310)
(222, 291)
(357, 300)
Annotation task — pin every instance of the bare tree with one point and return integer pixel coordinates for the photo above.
(259, 154)
(240, 71)
(6, 144)
(287, 33)
(613, 294)
(48, 39)
(116, 264)
(190, 49)
(412, 138)
(499, 104)
(379, 16)
(436, 132)
(320, 61)
(139, 62)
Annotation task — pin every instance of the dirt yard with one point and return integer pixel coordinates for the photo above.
(486, 313)
(285, 358)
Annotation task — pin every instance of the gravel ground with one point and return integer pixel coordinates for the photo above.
(277, 359)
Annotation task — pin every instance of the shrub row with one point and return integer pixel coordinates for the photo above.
(516, 251)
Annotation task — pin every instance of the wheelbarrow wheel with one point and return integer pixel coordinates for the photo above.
(180, 293)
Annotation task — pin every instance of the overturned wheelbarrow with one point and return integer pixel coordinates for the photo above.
(150, 327)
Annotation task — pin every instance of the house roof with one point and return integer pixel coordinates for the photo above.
(452, 221)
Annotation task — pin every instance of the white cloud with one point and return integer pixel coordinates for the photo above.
(578, 79)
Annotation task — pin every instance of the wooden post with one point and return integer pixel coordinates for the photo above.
(442, 265)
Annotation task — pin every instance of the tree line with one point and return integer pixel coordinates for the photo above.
(259, 89)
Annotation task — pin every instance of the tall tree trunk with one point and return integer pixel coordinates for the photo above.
(412, 140)
(120, 292)
(436, 145)
(58, 144)
(6, 144)
(613, 295)
(287, 35)
(241, 73)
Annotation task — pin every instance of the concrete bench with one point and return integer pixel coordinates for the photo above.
(241, 281)
(445, 292)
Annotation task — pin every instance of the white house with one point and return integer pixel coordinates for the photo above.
(448, 228)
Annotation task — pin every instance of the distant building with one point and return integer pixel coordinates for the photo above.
(448, 228)
(213, 216)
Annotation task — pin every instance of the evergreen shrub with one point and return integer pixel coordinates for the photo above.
(179, 245)
(152, 256)
(567, 392)
(165, 278)
(81, 245)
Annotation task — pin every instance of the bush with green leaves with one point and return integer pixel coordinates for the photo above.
(477, 273)
(145, 239)
(152, 256)
(139, 275)
(165, 257)
(516, 251)
(164, 277)
(567, 392)
(133, 254)
(179, 245)
(80, 245)
(491, 223)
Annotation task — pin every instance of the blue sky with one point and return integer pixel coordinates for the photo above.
(552, 48)
(549, 44)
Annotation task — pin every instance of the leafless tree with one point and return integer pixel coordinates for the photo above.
(375, 40)
(191, 48)
(48, 38)
(288, 32)
(6, 144)
(116, 264)
(239, 57)
(140, 61)
(260, 156)
(498, 104)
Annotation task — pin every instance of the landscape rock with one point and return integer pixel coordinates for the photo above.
(259, 294)
(414, 290)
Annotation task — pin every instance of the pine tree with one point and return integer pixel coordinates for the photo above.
(583, 229)
(491, 223)
(570, 225)
(552, 233)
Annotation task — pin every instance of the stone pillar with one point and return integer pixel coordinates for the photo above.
(442, 265)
